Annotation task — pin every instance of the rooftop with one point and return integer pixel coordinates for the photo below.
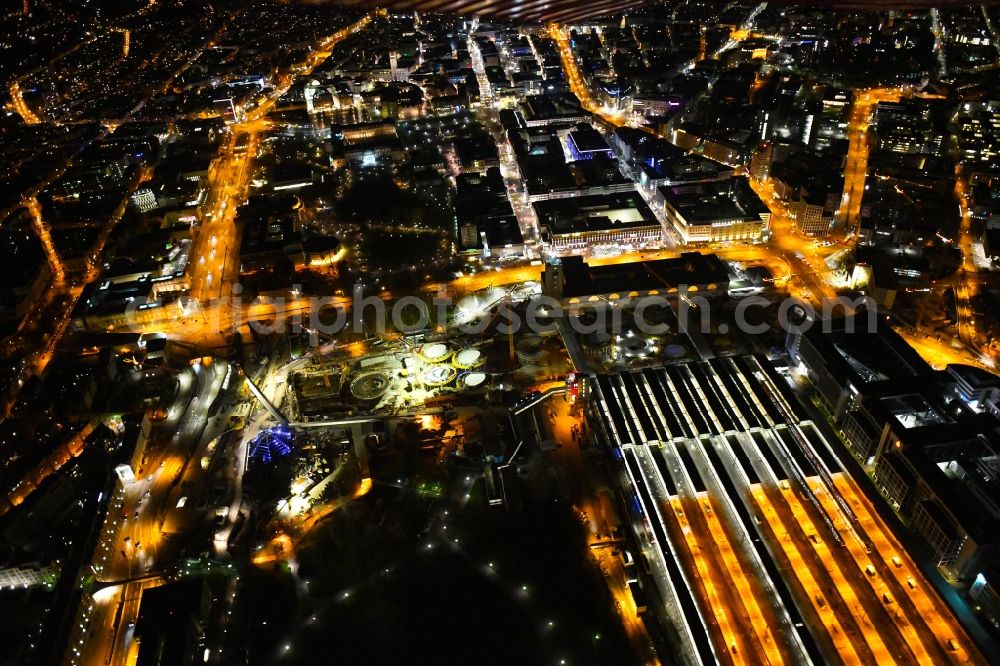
(691, 268)
(703, 203)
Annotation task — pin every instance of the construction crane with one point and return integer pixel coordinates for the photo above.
(320, 358)
(508, 302)
(510, 329)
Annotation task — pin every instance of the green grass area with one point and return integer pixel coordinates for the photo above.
(430, 489)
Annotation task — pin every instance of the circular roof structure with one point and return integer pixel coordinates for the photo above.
(370, 385)
(634, 346)
(473, 379)
(469, 358)
(439, 375)
(435, 352)
(675, 351)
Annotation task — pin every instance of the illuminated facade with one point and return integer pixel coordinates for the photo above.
(17, 577)
(918, 433)
(717, 211)
(573, 281)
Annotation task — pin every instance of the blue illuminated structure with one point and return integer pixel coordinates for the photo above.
(271, 444)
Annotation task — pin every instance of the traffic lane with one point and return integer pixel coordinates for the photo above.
(148, 499)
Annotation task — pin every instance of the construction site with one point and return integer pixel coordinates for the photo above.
(400, 377)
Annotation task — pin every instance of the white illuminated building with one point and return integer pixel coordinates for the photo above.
(16, 577)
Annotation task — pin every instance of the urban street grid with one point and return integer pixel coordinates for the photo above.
(537, 333)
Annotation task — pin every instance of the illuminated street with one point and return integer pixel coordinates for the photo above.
(499, 333)
(860, 137)
(217, 245)
(20, 108)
